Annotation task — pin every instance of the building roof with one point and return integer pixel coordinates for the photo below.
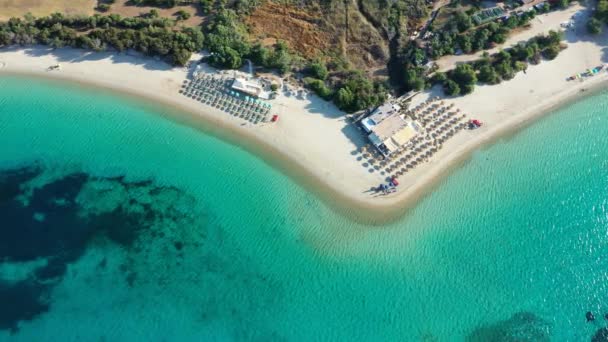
(247, 87)
(384, 111)
(394, 132)
(388, 127)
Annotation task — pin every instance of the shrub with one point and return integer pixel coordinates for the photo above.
(551, 52)
(103, 7)
(182, 15)
(451, 88)
(318, 87)
(488, 75)
(594, 26)
(438, 77)
(318, 70)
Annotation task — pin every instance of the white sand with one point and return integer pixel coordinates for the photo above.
(311, 141)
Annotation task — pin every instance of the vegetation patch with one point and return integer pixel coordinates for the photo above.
(152, 36)
(18, 8)
(500, 66)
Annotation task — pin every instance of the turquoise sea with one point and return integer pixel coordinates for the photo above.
(117, 224)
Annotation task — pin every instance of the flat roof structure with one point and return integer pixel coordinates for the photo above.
(393, 133)
(247, 87)
(379, 114)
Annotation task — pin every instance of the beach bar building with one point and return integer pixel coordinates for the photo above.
(378, 115)
(387, 130)
(393, 133)
(250, 88)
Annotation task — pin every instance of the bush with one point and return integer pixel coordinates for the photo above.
(154, 37)
(413, 81)
(260, 55)
(226, 57)
(488, 75)
(438, 78)
(359, 92)
(318, 70)
(464, 75)
(451, 88)
(344, 99)
(505, 70)
(463, 21)
(103, 7)
(594, 26)
(551, 52)
(206, 6)
(318, 87)
(182, 15)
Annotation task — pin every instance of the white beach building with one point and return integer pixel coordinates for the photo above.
(251, 88)
(387, 130)
(393, 133)
(378, 115)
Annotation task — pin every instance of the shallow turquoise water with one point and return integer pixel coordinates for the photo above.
(221, 246)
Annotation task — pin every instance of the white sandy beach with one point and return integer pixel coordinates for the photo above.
(312, 141)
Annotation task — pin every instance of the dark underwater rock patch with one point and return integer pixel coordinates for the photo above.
(22, 301)
(53, 224)
(600, 336)
(25, 238)
(522, 326)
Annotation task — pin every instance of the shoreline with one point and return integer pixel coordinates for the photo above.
(292, 158)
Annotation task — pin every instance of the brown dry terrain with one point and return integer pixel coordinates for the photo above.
(18, 8)
(120, 7)
(296, 27)
(314, 32)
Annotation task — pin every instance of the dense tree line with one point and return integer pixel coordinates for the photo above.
(156, 3)
(500, 66)
(458, 34)
(102, 32)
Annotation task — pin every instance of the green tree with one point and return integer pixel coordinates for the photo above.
(463, 21)
(318, 87)
(103, 7)
(505, 70)
(318, 70)
(464, 75)
(488, 75)
(594, 26)
(281, 58)
(601, 10)
(182, 15)
(551, 52)
(206, 6)
(344, 99)
(438, 77)
(413, 81)
(465, 43)
(226, 57)
(451, 88)
(260, 55)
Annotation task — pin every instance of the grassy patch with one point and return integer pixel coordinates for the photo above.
(39, 8)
